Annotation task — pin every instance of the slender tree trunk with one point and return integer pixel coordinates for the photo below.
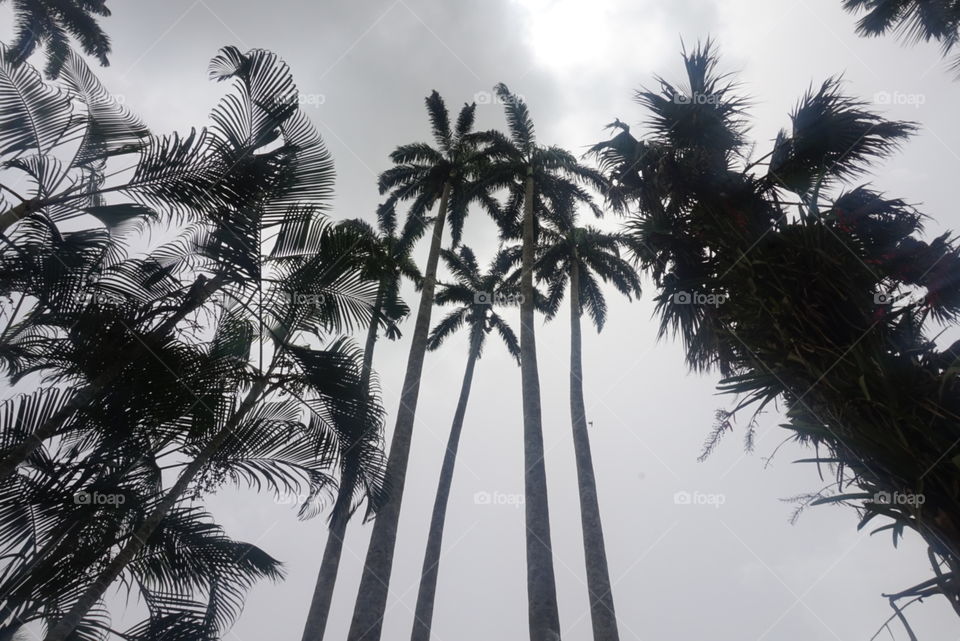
(198, 295)
(8, 633)
(330, 566)
(543, 614)
(371, 341)
(12, 215)
(319, 612)
(92, 595)
(598, 575)
(423, 615)
(367, 623)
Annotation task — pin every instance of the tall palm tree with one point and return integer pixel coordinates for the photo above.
(799, 289)
(913, 20)
(251, 422)
(305, 258)
(384, 258)
(578, 256)
(51, 23)
(223, 179)
(477, 296)
(425, 175)
(537, 178)
(52, 539)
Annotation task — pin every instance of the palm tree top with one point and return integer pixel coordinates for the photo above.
(51, 23)
(596, 253)
(455, 161)
(912, 20)
(478, 295)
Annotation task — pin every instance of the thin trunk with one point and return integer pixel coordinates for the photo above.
(198, 295)
(371, 604)
(94, 593)
(423, 615)
(8, 633)
(372, 336)
(543, 613)
(598, 575)
(14, 214)
(13, 316)
(330, 565)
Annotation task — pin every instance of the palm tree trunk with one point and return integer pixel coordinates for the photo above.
(598, 575)
(8, 633)
(14, 214)
(92, 595)
(543, 613)
(423, 614)
(367, 623)
(330, 565)
(201, 290)
(371, 341)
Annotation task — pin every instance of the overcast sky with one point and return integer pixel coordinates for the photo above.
(735, 572)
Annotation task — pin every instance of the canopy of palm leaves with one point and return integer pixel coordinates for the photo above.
(912, 20)
(822, 295)
(477, 296)
(51, 23)
(89, 307)
(597, 254)
(459, 159)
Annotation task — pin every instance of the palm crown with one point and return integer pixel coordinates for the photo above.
(477, 296)
(596, 254)
(423, 171)
(51, 23)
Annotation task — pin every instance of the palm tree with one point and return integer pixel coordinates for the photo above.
(578, 255)
(237, 428)
(477, 295)
(537, 178)
(52, 22)
(52, 539)
(913, 19)
(223, 179)
(384, 258)
(798, 289)
(251, 426)
(425, 175)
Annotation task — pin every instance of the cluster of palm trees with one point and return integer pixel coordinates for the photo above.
(223, 353)
(159, 370)
(829, 297)
(542, 187)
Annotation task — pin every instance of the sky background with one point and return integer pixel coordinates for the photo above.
(734, 572)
